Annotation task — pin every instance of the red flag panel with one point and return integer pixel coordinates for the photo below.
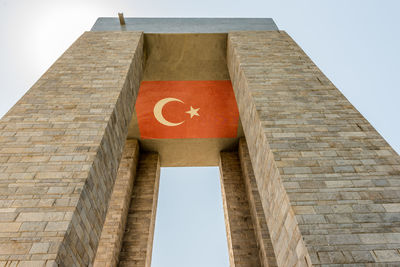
(187, 109)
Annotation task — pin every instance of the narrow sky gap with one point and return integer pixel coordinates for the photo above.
(190, 227)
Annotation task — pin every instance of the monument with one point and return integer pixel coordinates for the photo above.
(306, 180)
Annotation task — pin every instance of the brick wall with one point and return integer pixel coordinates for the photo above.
(266, 250)
(114, 225)
(60, 147)
(242, 242)
(138, 239)
(314, 156)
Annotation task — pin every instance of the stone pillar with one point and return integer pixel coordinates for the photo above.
(60, 147)
(139, 231)
(242, 242)
(324, 174)
(114, 226)
(266, 250)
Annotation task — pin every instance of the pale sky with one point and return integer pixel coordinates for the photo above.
(355, 43)
(190, 227)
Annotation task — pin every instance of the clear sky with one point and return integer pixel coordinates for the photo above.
(355, 43)
(190, 227)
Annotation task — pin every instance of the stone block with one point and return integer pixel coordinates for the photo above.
(308, 144)
(139, 230)
(60, 147)
(240, 225)
(114, 225)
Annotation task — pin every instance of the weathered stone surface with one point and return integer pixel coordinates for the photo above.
(324, 174)
(240, 233)
(139, 231)
(266, 250)
(60, 147)
(114, 225)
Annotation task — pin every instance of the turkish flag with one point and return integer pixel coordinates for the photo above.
(187, 109)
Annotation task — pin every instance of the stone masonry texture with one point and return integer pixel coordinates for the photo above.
(114, 226)
(139, 230)
(324, 174)
(266, 250)
(242, 242)
(60, 147)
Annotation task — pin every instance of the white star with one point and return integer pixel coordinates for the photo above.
(193, 112)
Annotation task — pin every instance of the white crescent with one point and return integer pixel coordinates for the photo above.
(158, 111)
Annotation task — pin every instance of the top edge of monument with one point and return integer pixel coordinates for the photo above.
(185, 25)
